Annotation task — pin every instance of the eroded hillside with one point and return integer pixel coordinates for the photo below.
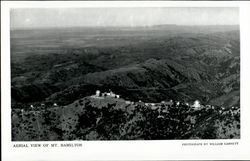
(54, 73)
(116, 119)
(147, 66)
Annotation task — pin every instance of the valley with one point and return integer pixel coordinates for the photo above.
(148, 64)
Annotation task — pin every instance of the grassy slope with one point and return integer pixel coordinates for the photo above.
(113, 119)
(114, 62)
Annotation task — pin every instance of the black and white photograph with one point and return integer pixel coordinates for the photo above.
(125, 73)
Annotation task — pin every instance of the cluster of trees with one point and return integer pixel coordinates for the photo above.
(134, 122)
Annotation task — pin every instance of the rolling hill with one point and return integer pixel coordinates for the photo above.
(55, 71)
(114, 119)
(153, 68)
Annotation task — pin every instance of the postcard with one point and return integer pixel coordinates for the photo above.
(125, 80)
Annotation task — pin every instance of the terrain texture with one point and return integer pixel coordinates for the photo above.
(53, 70)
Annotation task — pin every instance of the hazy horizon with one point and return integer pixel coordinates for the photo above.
(88, 27)
(122, 17)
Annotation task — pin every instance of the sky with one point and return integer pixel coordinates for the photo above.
(88, 17)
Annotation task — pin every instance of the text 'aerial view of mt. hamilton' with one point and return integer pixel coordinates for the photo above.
(163, 73)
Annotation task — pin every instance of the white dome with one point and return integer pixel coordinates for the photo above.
(197, 104)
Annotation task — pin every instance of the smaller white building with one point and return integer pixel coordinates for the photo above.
(128, 102)
(196, 105)
(98, 93)
(112, 94)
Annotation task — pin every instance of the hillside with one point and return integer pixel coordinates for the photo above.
(159, 65)
(116, 119)
(55, 72)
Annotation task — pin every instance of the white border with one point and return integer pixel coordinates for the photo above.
(128, 150)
